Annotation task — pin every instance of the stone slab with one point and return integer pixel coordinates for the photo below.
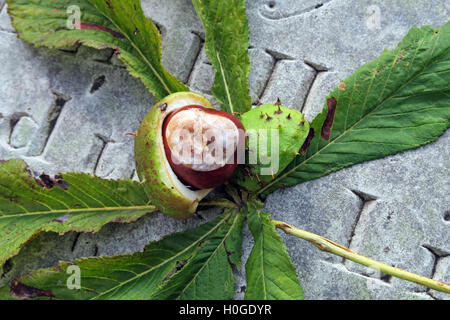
(394, 209)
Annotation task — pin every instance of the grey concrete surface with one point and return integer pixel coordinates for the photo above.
(395, 209)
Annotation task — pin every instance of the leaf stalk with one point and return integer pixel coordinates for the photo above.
(326, 245)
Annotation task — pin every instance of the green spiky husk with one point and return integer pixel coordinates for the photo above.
(292, 129)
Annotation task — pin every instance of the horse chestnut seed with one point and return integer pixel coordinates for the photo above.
(183, 148)
(201, 145)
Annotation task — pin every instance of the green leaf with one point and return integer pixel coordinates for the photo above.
(31, 204)
(227, 32)
(188, 265)
(117, 24)
(397, 102)
(270, 272)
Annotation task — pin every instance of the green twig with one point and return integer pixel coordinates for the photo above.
(334, 248)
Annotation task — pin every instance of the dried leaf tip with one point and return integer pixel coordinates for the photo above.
(21, 291)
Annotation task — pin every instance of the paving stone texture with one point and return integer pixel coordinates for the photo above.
(394, 209)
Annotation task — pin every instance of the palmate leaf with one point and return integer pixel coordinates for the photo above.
(188, 265)
(31, 204)
(397, 102)
(270, 272)
(117, 24)
(227, 32)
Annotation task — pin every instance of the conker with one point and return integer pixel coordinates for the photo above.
(201, 145)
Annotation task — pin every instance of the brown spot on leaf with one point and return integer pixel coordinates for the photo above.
(328, 123)
(341, 86)
(400, 57)
(289, 116)
(108, 3)
(21, 291)
(278, 103)
(92, 26)
(48, 182)
(268, 117)
(307, 142)
(301, 123)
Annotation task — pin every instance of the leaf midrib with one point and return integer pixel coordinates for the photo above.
(138, 50)
(225, 83)
(212, 254)
(355, 124)
(80, 210)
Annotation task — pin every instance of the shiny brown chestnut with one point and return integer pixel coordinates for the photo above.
(201, 145)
